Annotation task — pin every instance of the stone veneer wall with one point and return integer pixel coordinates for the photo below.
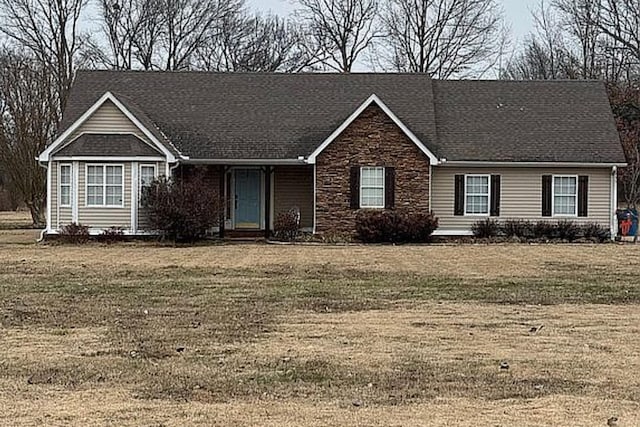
(373, 139)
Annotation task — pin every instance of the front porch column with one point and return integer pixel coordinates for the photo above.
(267, 201)
(222, 202)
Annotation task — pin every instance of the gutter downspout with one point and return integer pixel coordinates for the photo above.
(614, 203)
(43, 232)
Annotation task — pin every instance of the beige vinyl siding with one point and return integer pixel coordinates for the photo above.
(109, 119)
(103, 217)
(521, 194)
(60, 216)
(293, 186)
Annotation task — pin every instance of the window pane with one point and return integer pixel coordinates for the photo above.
(477, 185)
(114, 195)
(94, 195)
(94, 175)
(65, 195)
(477, 204)
(565, 205)
(114, 175)
(147, 175)
(565, 195)
(65, 175)
(372, 187)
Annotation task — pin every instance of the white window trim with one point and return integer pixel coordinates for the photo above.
(104, 185)
(70, 185)
(553, 197)
(384, 201)
(475, 175)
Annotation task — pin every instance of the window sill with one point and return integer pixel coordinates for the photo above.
(105, 206)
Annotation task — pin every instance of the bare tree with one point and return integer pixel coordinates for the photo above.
(28, 118)
(625, 102)
(245, 42)
(547, 53)
(133, 29)
(50, 30)
(443, 38)
(161, 34)
(187, 25)
(338, 31)
(580, 19)
(620, 19)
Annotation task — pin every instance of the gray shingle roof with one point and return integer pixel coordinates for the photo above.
(526, 121)
(283, 116)
(94, 144)
(255, 116)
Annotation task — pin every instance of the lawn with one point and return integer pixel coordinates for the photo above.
(235, 335)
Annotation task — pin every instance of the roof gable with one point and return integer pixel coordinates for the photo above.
(373, 99)
(72, 128)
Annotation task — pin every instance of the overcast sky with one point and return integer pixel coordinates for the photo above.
(517, 12)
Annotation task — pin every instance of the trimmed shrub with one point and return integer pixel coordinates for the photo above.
(595, 231)
(111, 235)
(486, 228)
(184, 210)
(566, 230)
(391, 226)
(543, 230)
(287, 225)
(518, 228)
(74, 233)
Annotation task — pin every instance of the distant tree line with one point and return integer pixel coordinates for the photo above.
(44, 42)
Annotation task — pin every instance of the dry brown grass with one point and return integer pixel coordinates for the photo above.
(15, 220)
(143, 334)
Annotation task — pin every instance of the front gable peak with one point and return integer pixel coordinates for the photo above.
(373, 99)
(108, 97)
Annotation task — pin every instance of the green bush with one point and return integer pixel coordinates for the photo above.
(486, 228)
(392, 226)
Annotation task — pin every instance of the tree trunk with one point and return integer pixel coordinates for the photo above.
(36, 208)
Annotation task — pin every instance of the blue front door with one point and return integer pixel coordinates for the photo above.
(248, 204)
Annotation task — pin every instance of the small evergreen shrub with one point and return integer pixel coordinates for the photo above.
(391, 226)
(111, 235)
(595, 231)
(287, 225)
(74, 233)
(486, 228)
(518, 228)
(566, 230)
(184, 210)
(543, 230)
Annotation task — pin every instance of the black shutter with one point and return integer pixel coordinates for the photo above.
(389, 188)
(458, 208)
(495, 195)
(355, 187)
(583, 195)
(546, 195)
